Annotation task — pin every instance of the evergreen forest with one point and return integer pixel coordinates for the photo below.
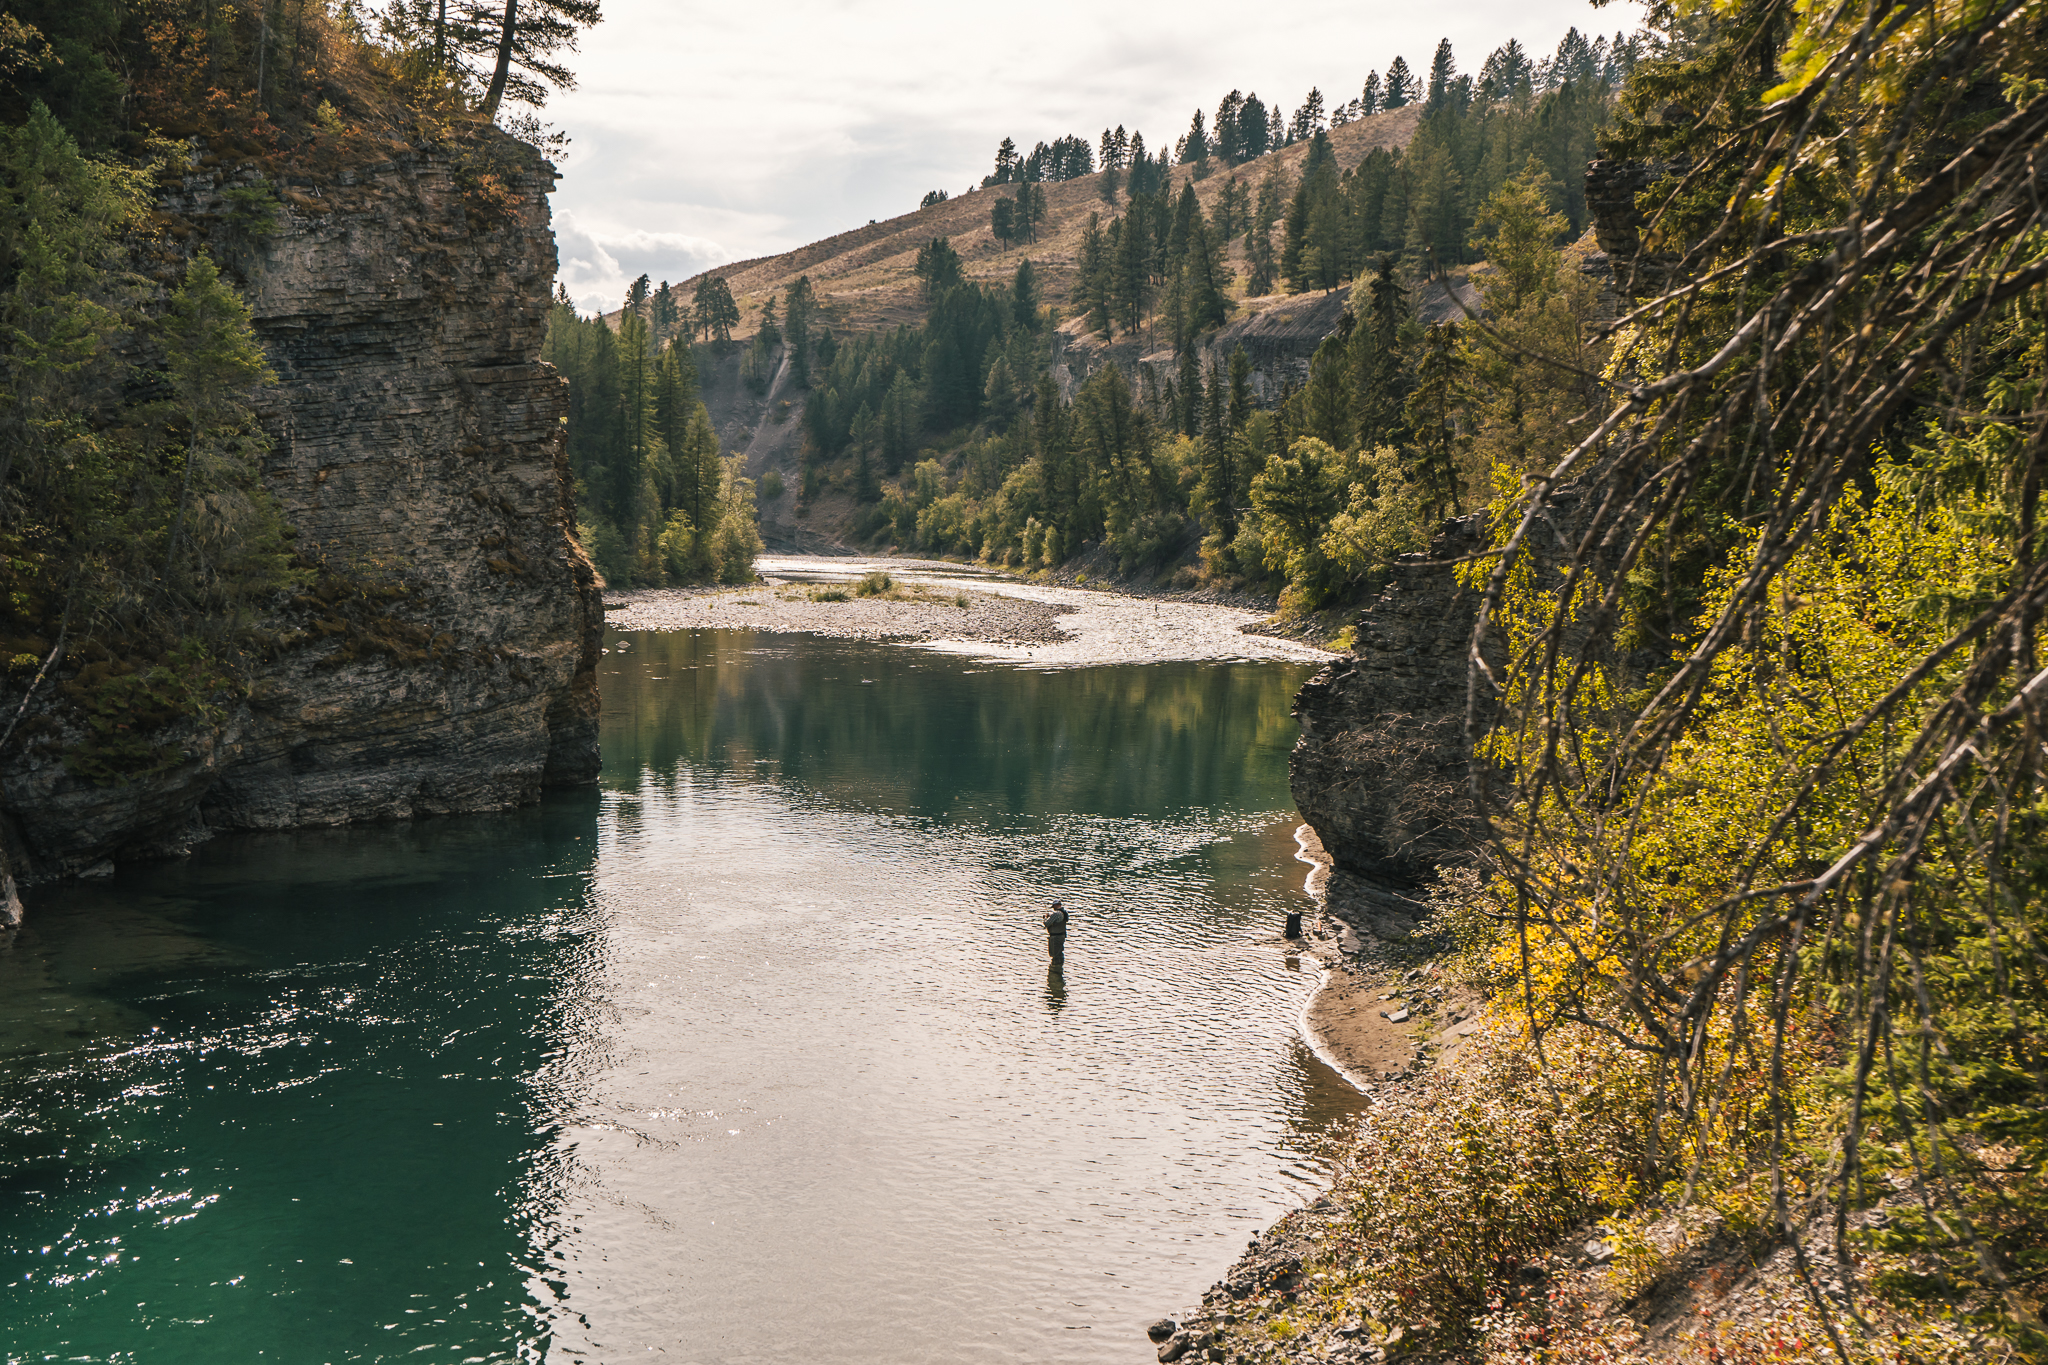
(655, 502)
(139, 548)
(954, 441)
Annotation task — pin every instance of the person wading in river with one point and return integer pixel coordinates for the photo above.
(1056, 933)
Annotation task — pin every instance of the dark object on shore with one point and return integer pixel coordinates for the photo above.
(1056, 933)
(1161, 1330)
(1293, 929)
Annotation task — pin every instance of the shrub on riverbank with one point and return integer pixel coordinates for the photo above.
(1855, 1074)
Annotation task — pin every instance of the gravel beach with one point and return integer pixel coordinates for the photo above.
(1003, 618)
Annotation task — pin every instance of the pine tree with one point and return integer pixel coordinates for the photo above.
(1024, 296)
(665, 316)
(802, 304)
(713, 310)
(1131, 266)
(1208, 279)
(1428, 413)
(1007, 163)
(1002, 215)
(1369, 97)
(1216, 486)
(522, 39)
(1188, 394)
(1091, 288)
(1228, 219)
(1507, 75)
(1259, 240)
(675, 405)
(224, 530)
(1195, 146)
(1573, 61)
(938, 265)
(1254, 131)
(1436, 224)
(1442, 72)
(1381, 397)
(1312, 252)
(1229, 137)
(1308, 119)
(1400, 86)
(1326, 403)
(898, 422)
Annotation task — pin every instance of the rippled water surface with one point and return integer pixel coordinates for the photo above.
(752, 1055)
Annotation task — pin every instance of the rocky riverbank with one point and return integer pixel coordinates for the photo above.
(958, 609)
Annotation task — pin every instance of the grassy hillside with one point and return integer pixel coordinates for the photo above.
(864, 279)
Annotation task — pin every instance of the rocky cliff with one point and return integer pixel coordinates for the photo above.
(1382, 770)
(1379, 771)
(443, 658)
(1279, 335)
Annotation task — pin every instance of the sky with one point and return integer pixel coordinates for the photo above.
(702, 134)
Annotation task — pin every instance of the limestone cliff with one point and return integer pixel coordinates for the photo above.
(444, 657)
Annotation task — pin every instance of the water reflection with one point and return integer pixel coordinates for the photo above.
(274, 1097)
(956, 1149)
(1055, 988)
(757, 1054)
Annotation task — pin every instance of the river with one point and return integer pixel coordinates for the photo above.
(751, 1055)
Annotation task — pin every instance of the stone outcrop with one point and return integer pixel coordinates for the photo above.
(1280, 339)
(1382, 770)
(1627, 275)
(1379, 771)
(444, 657)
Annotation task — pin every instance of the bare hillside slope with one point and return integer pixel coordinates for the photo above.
(863, 277)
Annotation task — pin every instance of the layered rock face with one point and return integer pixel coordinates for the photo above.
(444, 659)
(1280, 342)
(1380, 769)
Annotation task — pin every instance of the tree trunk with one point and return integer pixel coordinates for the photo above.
(496, 93)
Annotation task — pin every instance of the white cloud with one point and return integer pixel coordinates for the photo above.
(597, 263)
(705, 134)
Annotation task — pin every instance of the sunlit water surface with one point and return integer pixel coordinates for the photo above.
(752, 1056)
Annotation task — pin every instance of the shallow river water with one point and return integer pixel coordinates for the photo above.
(752, 1055)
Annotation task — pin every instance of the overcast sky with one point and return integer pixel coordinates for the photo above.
(702, 134)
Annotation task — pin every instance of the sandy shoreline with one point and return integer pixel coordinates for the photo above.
(1380, 1007)
(1004, 618)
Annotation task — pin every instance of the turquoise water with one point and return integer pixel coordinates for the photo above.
(753, 1054)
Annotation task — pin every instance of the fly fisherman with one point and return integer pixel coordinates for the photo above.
(1056, 933)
